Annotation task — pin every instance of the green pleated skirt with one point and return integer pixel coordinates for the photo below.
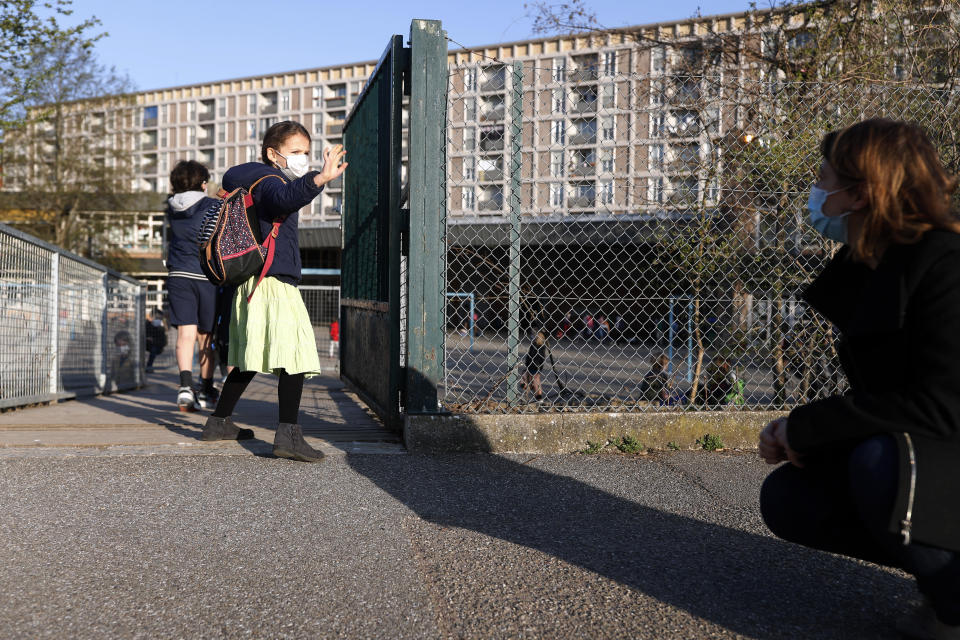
(272, 331)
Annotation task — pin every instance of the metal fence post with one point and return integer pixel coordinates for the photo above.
(105, 380)
(54, 323)
(513, 286)
(425, 286)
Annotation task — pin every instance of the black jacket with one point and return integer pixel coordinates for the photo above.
(184, 215)
(900, 349)
(275, 199)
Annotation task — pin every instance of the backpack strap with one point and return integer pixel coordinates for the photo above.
(270, 244)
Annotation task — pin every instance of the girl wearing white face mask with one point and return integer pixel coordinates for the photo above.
(873, 473)
(272, 333)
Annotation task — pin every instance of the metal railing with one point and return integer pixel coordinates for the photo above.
(68, 326)
(673, 283)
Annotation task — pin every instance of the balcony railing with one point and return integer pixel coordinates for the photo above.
(494, 114)
(205, 116)
(331, 211)
(587, 74)
(493, 84)
(149, 122)
(148, 145)
(583, 106)
(584, 169)
(491, 175)
(491, 145)
(588, 137)
(268, 109)
(336, 183)
(335, 101)
(335, 129)
(581, 202)
(490, 205)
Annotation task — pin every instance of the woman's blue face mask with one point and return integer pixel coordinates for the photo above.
(830, 227)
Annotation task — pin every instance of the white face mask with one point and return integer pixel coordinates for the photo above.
(297, 165)
(831, 227)
(124, 349)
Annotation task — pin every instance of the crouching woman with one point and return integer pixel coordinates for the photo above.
(873, 473)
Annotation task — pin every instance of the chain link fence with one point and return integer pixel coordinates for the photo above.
(323, 306)
(68, 326)
(622, 242)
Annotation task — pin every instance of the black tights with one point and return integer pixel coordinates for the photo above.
(289, 391)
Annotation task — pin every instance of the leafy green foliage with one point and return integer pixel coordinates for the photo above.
(710, 442)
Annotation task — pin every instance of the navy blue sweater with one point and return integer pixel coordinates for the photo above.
(184, 215)
(274, 199)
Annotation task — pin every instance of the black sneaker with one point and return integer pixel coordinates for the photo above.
(289, 443)
(208, 398)
(187, 400)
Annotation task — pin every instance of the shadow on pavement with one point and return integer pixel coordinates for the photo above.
(752, 584)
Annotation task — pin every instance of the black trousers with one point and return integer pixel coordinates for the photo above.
(843, 502)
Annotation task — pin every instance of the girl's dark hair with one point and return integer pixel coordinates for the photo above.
(898, 171)
(188, 175)
(277, 134)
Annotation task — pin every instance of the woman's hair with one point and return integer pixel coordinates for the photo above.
(188, 175)
(277, 134)
(541, 338)
(898, 171)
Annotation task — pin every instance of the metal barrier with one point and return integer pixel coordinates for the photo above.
(323, 306)
(68, 326)
(651, 226)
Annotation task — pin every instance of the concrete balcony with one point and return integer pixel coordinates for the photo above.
(335, 102)
(334, 129)
(584, 169)
(588, 74)
(491, 145)
(493, 175)
(493, 115)
(583, 106)
(493, 84)
(581, 202)
(490, 205)
(581, 138)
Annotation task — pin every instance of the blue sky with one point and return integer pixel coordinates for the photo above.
(173, 42)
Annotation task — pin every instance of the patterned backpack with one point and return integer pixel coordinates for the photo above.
(231, 249)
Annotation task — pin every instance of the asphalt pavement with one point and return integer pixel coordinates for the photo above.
(165, 541)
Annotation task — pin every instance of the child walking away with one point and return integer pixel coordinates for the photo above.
(534, 360)
(270, 331)
(192, 298)
(655, 386)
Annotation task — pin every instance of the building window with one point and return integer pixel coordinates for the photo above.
(221, 158)
(470, 109)
(608, 96)
(658, 125)
(610, 63)
(266, 123)
(251, 153)
(468, 199)
(164, 114)
(469, 169)
(559, 102)
(162, 163)
(556, 164)
(221, 107)
(556, 194)
(252, 103)
(221, 132)
(470, 79)
(559, 67)
(606, 161)
(191, 136)
(318, 124)
(558, 132)
(191, 112)
(606, 128)
(317, 206)
(606, 192)
(252, 129)
(470, 139)
(656, 190)
(317, 95)
(285, 100)
(656, 156)
(317, 150)
(658, 59)
(163, 138)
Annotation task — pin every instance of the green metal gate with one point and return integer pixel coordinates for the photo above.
(391, 343)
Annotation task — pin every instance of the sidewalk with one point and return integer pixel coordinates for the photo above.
(332, 418)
